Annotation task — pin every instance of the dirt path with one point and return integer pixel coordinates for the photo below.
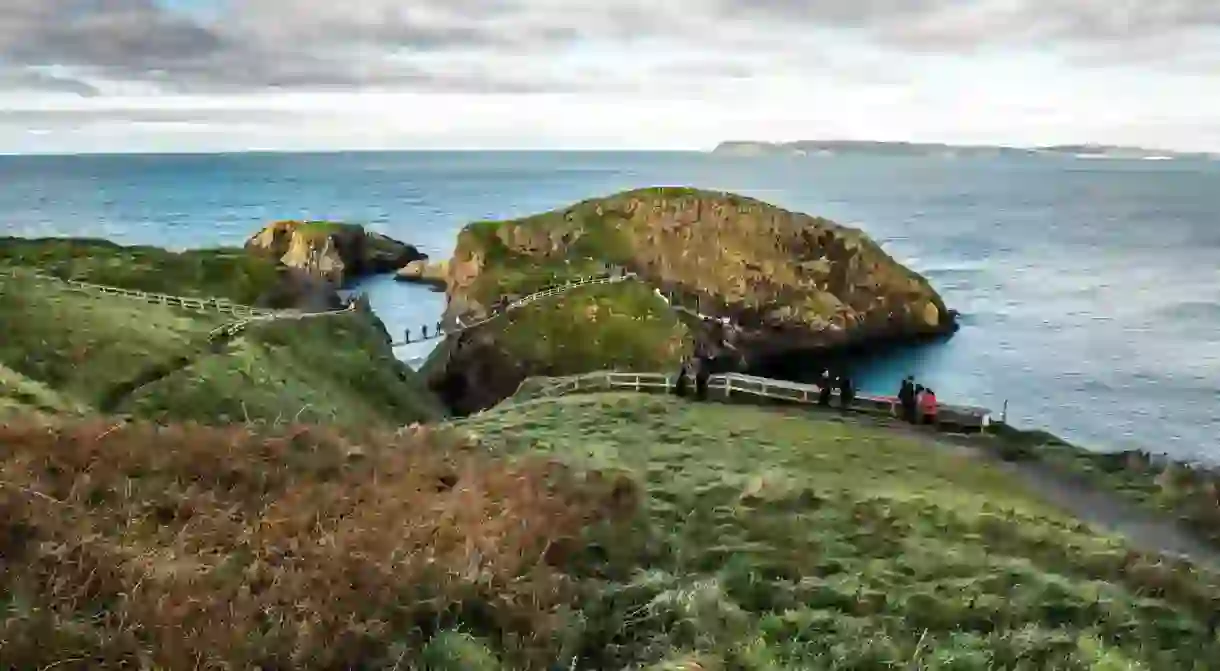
(1144, 530)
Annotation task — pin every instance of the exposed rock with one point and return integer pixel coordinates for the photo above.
(789, 281)
(335, 252)
(423, 272)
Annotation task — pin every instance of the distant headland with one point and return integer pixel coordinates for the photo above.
(834, 147)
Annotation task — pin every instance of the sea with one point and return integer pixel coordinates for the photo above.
(1089, 289)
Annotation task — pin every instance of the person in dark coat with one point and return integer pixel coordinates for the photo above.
(824, 389)
(701, 377)
(683, 382)
(425, 329)
(407, 334)
(847, 392)
(906, 399)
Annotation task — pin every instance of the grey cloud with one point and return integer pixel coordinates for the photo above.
(68, 118)
(422, 44)
(28, 79)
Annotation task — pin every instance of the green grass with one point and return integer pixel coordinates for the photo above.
(80, 345)
(318, 229)
(68, 352)
(621, 326)
(777, 540)
(334, 370)
(222, 273)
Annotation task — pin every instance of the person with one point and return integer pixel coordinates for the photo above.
(847, 392)
(906, 399)
(425, 329)
(928, 407)
(440, 326)
(407, 334)
(824, 384)
(701, 378)
(682, 383)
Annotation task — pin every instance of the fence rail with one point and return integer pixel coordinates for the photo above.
(731, 385)
(220, 305)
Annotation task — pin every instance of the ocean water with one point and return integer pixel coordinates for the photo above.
(1089, 290)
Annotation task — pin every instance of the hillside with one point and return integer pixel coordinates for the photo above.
(592, 532)
(68, 351)
(789, 281)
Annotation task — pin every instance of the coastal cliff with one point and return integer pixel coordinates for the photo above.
(787, 281)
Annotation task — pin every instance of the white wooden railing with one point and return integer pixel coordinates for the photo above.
(219, 305)
(728, 385)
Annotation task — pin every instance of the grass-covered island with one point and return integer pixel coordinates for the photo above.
(292, 497)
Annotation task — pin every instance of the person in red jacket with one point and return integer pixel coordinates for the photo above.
(927, 406)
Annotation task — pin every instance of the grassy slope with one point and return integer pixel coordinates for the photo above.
(791, 543)
(624, 327)
(334, 370)
(615, 529)
(219, 273)
(64, 349)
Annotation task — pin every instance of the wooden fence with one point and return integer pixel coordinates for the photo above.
(219, 305)
(735, 387)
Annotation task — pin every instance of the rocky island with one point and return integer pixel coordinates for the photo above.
(335, 252)
(290, 496)
(786, 282)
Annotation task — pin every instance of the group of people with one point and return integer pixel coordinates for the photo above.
(827, 383)
(698, 369)
(440, 330)
(918, 403)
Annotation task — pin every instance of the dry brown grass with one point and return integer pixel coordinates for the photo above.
(194, 547)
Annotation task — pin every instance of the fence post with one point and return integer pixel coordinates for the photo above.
(637, 382)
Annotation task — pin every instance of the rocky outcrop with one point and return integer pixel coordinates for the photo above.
(335, 252)
(423, 272)
(789, 281)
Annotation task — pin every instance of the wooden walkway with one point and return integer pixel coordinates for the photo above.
(735, 387)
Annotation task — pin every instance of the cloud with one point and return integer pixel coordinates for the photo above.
(429, 45)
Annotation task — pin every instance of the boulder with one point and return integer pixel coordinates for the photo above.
(423, 272)
(335, 252)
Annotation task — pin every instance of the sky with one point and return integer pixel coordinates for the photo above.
(230, 75)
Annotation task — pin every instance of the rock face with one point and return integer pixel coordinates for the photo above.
(787, 281)
(331, 251)
(423, 272)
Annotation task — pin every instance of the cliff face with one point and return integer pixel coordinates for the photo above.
(790, 281)
(334, 252)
